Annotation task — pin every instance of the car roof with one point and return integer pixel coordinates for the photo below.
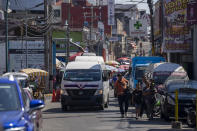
(181, 81)
(88, 54)
(83, 65)
(7, 80)
(15, 74)
(166, 66)
(90, 58)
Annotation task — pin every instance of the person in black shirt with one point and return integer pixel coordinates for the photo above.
(137, 99)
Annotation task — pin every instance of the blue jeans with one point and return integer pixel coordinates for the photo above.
(123, 103)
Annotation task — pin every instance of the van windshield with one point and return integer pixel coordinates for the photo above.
(139, 72)
(82, 75)
(161, 77)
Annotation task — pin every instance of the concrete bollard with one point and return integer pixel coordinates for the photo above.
(176, 124)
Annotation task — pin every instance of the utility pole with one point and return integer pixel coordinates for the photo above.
(91, 27)
(50, 49)
(45, 36)
(6, 36)
(26, 58)
(162, 23)
(92, 17)
(150, 5)
(68, 34)
(22, 46)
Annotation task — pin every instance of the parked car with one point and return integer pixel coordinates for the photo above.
(37, 113)
(21, 77)
(17, 111)
(187, 94)
(164, 71)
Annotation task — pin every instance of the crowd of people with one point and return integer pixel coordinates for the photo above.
(142, 97)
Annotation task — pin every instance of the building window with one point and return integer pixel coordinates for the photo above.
(57, 13)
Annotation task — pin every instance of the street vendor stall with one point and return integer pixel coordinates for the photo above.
(37, 79)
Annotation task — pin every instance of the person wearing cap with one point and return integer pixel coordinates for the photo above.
(121, 86)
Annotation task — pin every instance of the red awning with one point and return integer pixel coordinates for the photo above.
(72, 58)
(123, 59)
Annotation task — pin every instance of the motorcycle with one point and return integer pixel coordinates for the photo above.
(191, 116)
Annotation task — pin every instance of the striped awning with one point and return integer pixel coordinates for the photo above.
(34, 72)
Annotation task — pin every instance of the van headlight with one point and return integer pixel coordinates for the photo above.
(16, 129)
(99, 92)
(64, 92)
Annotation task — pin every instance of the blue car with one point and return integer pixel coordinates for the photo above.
(17, 113)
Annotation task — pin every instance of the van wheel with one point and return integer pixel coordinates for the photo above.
(64, 108)
(191, 120)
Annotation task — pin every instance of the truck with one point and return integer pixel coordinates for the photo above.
(138, 67)
(85, 84)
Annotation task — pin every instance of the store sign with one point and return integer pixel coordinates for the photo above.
(177, 35)
(111, 10)
(192, 12)
(138, 27)
(114, 39)
(22, 53)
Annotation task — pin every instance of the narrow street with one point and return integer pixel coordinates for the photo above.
(84, 119)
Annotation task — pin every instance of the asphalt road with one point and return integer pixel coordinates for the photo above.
(90, 119)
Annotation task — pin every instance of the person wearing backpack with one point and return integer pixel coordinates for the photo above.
(121, 87)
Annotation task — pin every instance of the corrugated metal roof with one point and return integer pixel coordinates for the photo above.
(125, 6)
(21, 5)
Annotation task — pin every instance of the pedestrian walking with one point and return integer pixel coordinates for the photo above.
(121, 88)
(144, 86)
(137, 99)
(149, 99)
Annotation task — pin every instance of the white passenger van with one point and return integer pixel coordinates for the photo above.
(90, 59)
(84, 84)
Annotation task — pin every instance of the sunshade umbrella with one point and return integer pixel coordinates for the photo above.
(123, 59)
(112, 63)
(125, 67)
(121, 70)
(111, 68)
(59, 64)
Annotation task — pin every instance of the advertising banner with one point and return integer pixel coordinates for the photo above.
(24, 54)
(157, 19)
(101, 29)
(177, 34)
(111, 10)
